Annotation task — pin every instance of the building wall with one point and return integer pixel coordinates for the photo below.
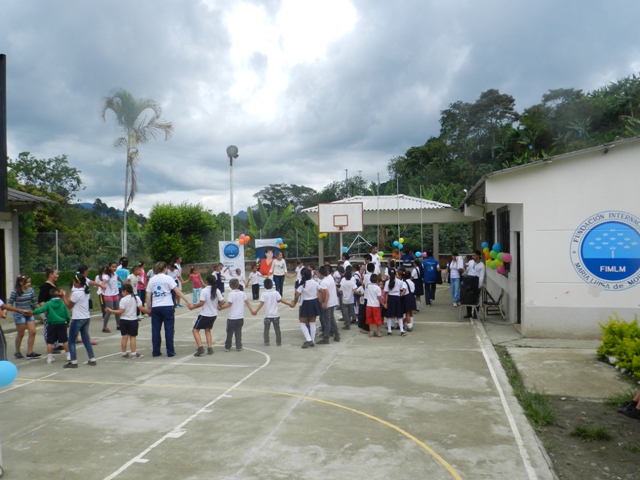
(9, 223)
(548, 203)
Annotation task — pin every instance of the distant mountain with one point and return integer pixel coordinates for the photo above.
(242, 215)
(86, 205)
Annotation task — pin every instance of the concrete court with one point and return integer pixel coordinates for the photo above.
(434, 404)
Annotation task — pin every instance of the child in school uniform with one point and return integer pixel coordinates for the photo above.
(57, 318)
(366, 280)
(236, 300)
(393, 290)
(373, 296)
(254, 281)
(347, 288)
(220, 278)
(408, 300)
(270, 299)
(211, 300)
(238, 275)
(128, 311)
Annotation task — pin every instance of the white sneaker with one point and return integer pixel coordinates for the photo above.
(51, 360)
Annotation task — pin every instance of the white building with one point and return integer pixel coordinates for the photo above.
(19, 202)
(572, 225)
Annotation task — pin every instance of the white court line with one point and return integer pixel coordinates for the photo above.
(512, 421)
(186, 364)
(27, 383)
(178, 430)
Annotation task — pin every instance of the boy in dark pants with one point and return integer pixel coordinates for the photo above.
(254, 281)
(235, 320)
(270, 298)
(57, 319)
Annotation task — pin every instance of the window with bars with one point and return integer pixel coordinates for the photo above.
(504, 233)
(490, 229)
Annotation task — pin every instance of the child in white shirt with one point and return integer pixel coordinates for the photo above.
(235, 320)
(254, 281)
(270, 299)
(211, 300)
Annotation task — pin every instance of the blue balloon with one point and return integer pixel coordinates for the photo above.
(396, 243)
(278, 240)
(418, 254)
(485, 244)
(345, 249)
(497, 247)
(8, 373)
(400, 246)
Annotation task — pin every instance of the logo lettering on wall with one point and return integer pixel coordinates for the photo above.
(605, 250)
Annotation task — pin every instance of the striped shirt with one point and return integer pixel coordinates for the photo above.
(26, 301)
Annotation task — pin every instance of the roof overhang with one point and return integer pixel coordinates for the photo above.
(402, 209)
(20, 202)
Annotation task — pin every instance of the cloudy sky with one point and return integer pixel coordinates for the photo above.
(304, 88)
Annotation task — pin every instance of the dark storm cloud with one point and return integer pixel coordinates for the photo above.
(378, 89)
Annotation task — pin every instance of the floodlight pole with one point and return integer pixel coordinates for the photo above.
(232, 152)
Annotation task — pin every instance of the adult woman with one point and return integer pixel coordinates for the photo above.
(159, 300)
(278, 270)
(24, 298)
(265, 263)
(310, 307)
(111, 296)
(44, 295)
(80, 318)
(454, 268)
(143, 284)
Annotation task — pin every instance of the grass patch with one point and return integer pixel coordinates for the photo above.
(620, 398)
(632, 448)
(536, 405)
(589, 434)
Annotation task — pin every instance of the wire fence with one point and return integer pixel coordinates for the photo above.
(66, 250)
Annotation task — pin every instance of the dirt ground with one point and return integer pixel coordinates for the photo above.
(617, 458)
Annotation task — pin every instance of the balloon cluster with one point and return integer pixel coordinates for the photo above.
(495, 258)
(281, 244)
(381, 255)
(323, 235)
(399, 243)
(243, 239)
(8, 373)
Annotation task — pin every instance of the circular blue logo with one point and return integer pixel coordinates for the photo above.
(231, 250)
(605, 250)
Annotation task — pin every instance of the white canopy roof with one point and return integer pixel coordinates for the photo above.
(402, 209)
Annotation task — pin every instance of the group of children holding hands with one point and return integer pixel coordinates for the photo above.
(362, 292)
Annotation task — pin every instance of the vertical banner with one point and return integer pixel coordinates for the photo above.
(232, 255)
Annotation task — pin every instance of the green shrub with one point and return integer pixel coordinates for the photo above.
(622, 340)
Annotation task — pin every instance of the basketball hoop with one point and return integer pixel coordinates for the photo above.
(340, 221)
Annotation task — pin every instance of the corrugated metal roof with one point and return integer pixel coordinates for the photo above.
(16, 196)
(389, 202)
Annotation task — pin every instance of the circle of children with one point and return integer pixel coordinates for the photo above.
(363, 292)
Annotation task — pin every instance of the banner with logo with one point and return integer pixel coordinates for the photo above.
(232, 255)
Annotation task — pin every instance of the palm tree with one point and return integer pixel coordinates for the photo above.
(139, 121)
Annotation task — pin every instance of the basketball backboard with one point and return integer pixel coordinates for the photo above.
(340, 217)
